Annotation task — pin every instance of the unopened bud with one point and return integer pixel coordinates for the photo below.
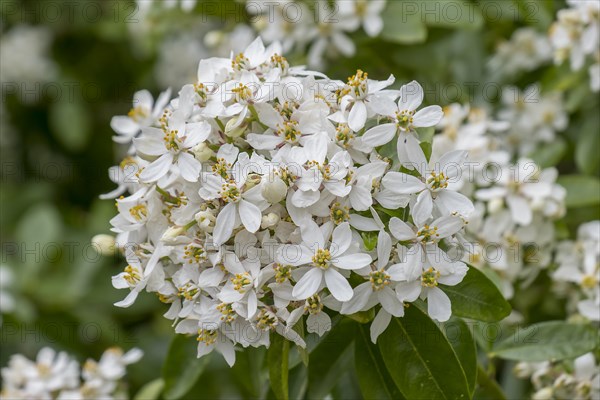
(234, 129)
(206, 220)
(274, 190)
(104, 244)
(172, 233)
(202, 152)
(495, 205)
(269, 220)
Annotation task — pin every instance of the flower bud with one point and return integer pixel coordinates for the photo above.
(274, 190)
(202, 152)
(206, 220)
(495, 205)
(104, 244)
(543, 394)
(234, 129)
(172, 233)
(269, 220)
(213, 38)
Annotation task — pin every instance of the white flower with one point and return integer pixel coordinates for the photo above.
(144, 113)
(324, 261)
(368, 12)
(405, 119)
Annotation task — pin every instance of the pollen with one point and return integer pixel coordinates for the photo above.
(282, 272)
(207, 336)
(339, 214)
(241, 282)
(379, 279)
(139, 212)
(313, 304)
(227, 313)
(437, 181)
(322, 258)
(138, 113)
(289, 131)
(428, 234)
(230, 193)
(266, 320)
(404, 119)
(429, 278)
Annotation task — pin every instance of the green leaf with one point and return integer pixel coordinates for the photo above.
(402, 23)
(452, 14)
(427, 149)
(581, 190)
(459, 335)
(373, 377)
(552, 340)
(487, 388)
(588, 143)
(182, 367)
(549, 154)
(330, 358)
(151, 390)
(278, 361)
(420, 360)
(71, 123)
(476, 297)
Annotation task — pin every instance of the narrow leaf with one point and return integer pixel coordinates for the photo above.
(278, 360)
(182, 368)
(552, 340)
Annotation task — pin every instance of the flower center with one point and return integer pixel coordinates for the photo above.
(343, 135)
(358, 84)
(188, 291)
(266, 320)
(282, 272)
(242, 93)
(207, 336)
(429, 278)
(240, 62)
(428, 234)
(404, 119)
(241, 282)
(230, 192)
(138, 113)
(322, 258)
(194, 253)
(139, 212)
(589, 281)
(171, 140)
(379, 279)
(313, 304)
(227, 313)
(339, 214)
(289, 131)
(437, 181)
(132, 275)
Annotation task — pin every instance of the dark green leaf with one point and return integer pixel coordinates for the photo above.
(373, 377)
(278, 359)
(459, 335)
(588, 145)
(553, 340)
(549, 154)
(581, 190)
(330, 358)
(182, 368)
(420, 360)
(401, 24)
(476, 297)
(487, 388)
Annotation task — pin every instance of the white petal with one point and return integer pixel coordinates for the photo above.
(390, 303)
(338, 285)
(384, 248)
(357, 116)
(341, 239)
(379, 135)
(308, 284)
(411, 96)
(449, 202)
(189, 167)
(124, 125)
(401, 230)
(428, 116)
(250, 215)
(224, 224)
(360, 298)
(423, 208)
(379, 324)
(519, 209)
(438, 305)
(402, 183)
(157, 169)
(352, 261)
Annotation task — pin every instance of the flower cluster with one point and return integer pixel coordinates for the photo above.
(58, 376)
(574, 36)
(563, 380)
(266, 193)
(579, 265)
(322, 29)
(516, 200)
